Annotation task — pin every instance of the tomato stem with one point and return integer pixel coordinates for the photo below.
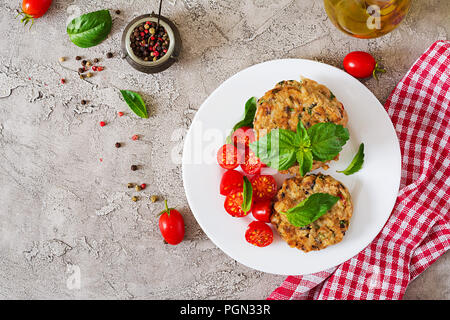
(25, 18)
(377, 69)
(166, 210)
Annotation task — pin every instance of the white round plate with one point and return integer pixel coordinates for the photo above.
(374, 188)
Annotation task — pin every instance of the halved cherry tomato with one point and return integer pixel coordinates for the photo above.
(242, 137)
(228, 156)
(264, 187)
(171, 225)
(252, 164)
(233, 204)
(231, 180)
(361, 64)
(262, 210)
(259, 234)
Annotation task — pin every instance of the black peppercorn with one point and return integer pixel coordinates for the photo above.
(134, 167)
(117, 11)
(118, 145)
(96, 60)
(83, 102)
(83, 62)
(80, 70)
(77, 58)
(109, 55)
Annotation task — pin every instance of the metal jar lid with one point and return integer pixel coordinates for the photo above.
(152, 66)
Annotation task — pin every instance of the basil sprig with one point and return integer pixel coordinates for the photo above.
(247, 196)
(90, 29)
(356, 163)
(249, 115)
(281, 148)
(310, 209)
(135, 102)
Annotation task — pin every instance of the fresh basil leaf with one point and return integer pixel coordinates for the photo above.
(356, 163)
(310, 209)
(305, 160)
(276, 149)
(302, 138)
(247, 195)
(327, 140)
(135, 102)
(90, 29)
(249, 115)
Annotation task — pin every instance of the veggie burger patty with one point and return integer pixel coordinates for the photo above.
(291, 100)
(329, 229)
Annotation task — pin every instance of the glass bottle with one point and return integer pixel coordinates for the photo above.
(366, 18)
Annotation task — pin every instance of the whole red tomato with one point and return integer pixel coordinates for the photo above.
(171, 225)
(361, 64)
(33, 9)
(262, 210)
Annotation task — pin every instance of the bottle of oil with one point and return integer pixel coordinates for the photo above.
(366, 18)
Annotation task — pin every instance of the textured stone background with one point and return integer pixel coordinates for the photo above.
(61, 209)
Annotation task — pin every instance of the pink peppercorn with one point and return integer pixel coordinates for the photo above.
(143, 186)
(102, 123)
(120, 113)
(135, 137)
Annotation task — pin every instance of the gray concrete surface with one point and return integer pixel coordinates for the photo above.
(63, 212)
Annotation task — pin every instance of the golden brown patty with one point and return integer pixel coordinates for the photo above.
(290, 101)
(329, 229)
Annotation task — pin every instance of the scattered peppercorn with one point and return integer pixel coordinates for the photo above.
(63, 81)
(62, 59)
(81, 70)
(138, 188)
(134, 198)
(120, 113)
(102, 123)
(143, 186)
(154, 198)
(81, 76)
(130, 185)
(117, 11)
(83, 63)
(134, 167)
(88, 64)
(77, 58)
(135, 137)
(118, 145)
(89, 74)
(96, 60)
(83, 101)
(109, 55)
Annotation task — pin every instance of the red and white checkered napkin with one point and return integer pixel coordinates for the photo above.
(418, 230)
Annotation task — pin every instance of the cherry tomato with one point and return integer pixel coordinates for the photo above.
(264, 187)
(262, 210)
(233, 204)
(252, 164)
(242, 137)
(231, 180)
(228, 156)
(33, 9)
(171, 225)
(259, 234)
(361, 64)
